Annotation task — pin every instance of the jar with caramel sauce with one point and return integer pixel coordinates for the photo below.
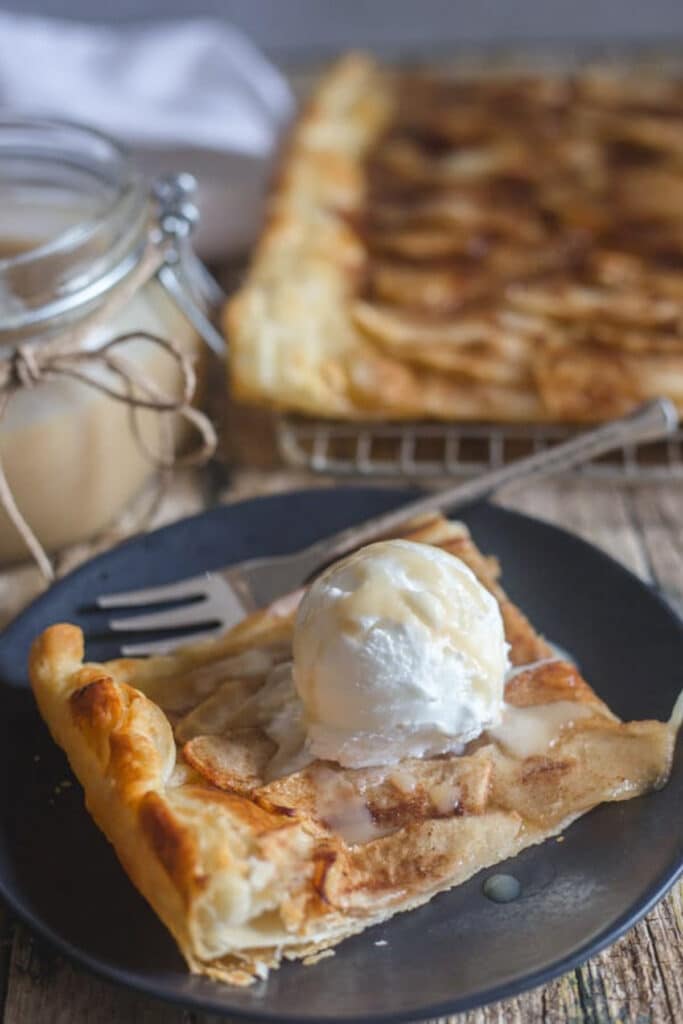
(75, 220)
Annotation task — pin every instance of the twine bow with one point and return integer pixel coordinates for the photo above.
(31, 364)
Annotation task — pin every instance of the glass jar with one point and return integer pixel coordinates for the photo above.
(75, 222)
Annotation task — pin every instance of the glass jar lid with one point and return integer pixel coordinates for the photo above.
(74, 216)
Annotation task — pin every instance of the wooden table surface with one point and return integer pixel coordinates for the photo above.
(638, 981)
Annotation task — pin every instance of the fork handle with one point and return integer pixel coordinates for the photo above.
(648, 422)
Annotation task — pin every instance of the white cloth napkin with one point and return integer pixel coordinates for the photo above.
(191, 95)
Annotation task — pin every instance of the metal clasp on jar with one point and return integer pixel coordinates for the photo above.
(182, 274)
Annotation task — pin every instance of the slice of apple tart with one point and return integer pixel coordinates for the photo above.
(338, 757)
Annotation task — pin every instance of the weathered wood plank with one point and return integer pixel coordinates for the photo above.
(665, 925)
(625, 983)
(43, 987)
(658, 513)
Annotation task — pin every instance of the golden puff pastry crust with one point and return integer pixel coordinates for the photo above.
(497, 247)
(246, 866)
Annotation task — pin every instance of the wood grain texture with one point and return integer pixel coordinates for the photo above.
(639, 980)
(658, 518)
(43, 988)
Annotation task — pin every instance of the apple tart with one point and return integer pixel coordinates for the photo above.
(249, 852)
(500, 247)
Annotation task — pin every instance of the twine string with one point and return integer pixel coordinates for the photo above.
(31, 364)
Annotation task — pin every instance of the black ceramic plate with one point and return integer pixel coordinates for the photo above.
(461, 950)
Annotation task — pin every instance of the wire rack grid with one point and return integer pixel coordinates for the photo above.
(419, 451)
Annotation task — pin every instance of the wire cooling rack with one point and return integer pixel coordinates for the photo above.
(419, 451)
(423, 450)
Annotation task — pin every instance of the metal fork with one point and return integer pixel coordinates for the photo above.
(222, 598)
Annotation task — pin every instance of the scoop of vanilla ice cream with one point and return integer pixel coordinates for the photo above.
(399, 652)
